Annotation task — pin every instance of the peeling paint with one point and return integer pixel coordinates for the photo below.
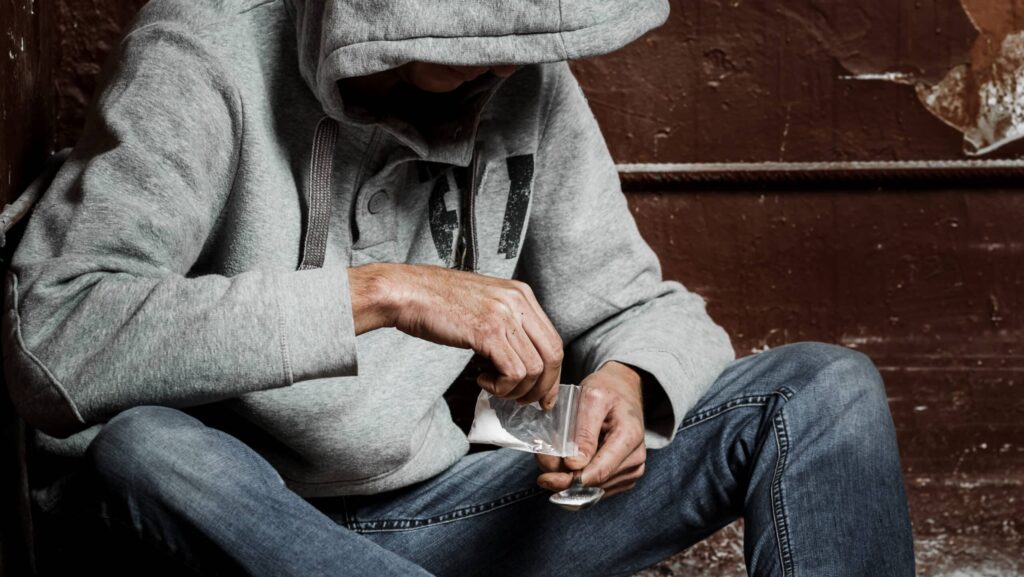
(982, 98)
(857, 34)
(785, 133)
(979, 92)
(987, 104)
(897, 77)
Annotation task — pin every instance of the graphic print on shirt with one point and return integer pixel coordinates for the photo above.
(443, 222)
(520, 186)
(446, 191)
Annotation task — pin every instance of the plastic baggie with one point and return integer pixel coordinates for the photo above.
(507, 423)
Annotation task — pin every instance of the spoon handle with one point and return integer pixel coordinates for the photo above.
(577, 479)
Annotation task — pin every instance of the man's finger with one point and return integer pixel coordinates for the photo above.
(555, 481)
(551, 359)
(594, 405)
(550, 463)
(545, 322)
(508, 368)
(528, 356)
(549, 343)
(619, 489)
(551, 397)
(627, 478)
(624, 476)
(619, 443)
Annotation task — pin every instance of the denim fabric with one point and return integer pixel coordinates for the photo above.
(797, 440)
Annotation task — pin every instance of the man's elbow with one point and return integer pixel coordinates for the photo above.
(38, 397)
(43, 405)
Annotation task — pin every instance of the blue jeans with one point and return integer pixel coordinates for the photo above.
(798, 441)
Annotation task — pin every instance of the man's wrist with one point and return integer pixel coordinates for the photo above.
(639, 381)
(372, 297)
(624, 372)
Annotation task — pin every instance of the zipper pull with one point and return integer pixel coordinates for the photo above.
(466, 224)
(461, 249)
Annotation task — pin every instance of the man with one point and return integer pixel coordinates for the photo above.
(298, 220)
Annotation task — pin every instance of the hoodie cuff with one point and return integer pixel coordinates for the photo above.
(318, 337)
(667, 396)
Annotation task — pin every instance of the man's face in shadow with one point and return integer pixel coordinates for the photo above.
(418, 92)
(443, 78)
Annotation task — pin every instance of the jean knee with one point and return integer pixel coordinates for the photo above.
(137, 442)
(843, 387)
(163, 454)
(838, 365)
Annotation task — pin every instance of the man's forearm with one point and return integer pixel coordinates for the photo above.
(497, 318)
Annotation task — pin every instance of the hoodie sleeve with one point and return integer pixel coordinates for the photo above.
(600, 282)
(101, 313)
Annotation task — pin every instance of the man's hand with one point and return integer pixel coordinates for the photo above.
(609, 432)
(499, 319)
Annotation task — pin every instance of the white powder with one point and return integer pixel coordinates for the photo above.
(487, 428)
(530, 428)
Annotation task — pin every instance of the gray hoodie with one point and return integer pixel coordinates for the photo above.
(193, 249)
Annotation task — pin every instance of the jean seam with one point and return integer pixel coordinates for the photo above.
(740, 402)
(687, 425)
(400, 525)
(779, 516)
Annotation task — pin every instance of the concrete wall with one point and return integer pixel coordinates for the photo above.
(926, 278)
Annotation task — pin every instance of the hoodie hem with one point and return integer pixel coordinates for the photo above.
(436, 453)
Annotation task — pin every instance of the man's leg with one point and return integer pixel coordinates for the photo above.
(211, 502)
(798, 441)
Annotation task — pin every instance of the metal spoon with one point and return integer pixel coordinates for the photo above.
(577, 496)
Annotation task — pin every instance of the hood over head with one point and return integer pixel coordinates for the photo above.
(345, 38)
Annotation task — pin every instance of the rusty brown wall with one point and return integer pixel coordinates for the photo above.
(760, 81)
(927, 280)
(928, 283)
(721, 81)
(770, 81)
(26, 91)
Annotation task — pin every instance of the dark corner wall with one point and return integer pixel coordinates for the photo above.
(27, 110)
(51, 52)
(924, 276)
(27, 114)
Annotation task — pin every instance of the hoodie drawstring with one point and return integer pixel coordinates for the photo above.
(318, 201)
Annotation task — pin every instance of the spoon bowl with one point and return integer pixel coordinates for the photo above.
(578, 496)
